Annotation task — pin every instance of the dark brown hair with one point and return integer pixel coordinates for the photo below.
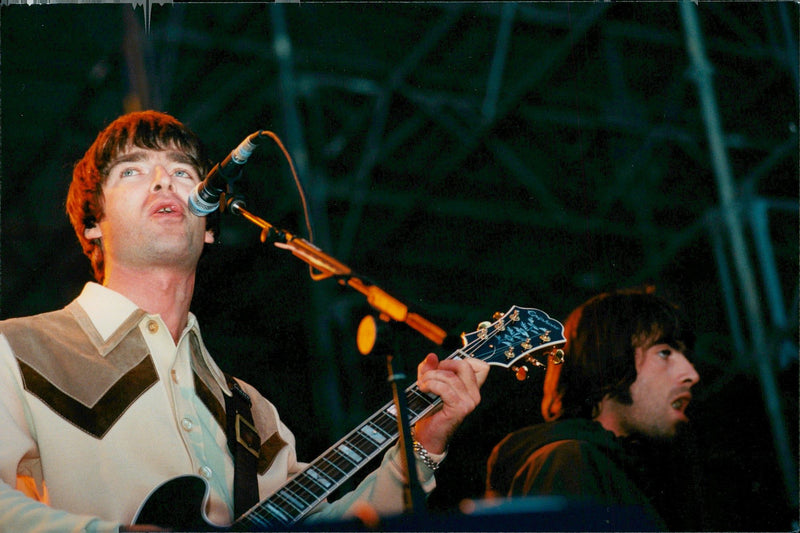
(602, 336)
(150, 130)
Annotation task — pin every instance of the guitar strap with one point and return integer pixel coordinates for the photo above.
(244, 444)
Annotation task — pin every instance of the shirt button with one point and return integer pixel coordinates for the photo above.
(187, 424)
(205, 471)
(152, 326)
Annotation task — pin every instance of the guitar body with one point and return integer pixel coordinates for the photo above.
(177, 504)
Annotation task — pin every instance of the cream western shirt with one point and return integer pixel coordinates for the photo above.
(87, 432)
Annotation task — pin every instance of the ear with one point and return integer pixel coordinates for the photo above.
(93, 232)
(209, 236)
(551, 401)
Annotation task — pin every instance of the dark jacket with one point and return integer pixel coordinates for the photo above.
(579, 460)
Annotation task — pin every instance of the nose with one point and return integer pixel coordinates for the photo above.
(161, 179)
(688, 372)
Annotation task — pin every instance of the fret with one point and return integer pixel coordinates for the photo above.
(373, 433)
(387, 422)
(290, 503)
(418, 403)
(283, 499)
(460, 353)
(342, 462)
(258, 517)
(312, 484)
(337, 458)
(412, 410)
(334, 466)
(301, 493)
(427, 398)
(277, 511)
(319, 477)
(331, 470)
(363, 444)
(350, 453)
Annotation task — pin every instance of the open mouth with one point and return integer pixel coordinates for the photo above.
(681, 403)
(167, 209)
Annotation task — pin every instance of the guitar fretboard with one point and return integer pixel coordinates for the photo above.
(516, 335)
(313, 484)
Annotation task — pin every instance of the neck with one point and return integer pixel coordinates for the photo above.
(608, 418)
(164, 292)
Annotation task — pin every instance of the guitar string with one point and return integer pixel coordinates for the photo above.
(358, 438)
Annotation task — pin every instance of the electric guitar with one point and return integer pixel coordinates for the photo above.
(512, 341)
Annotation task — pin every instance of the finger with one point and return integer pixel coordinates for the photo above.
(443, 377)
(458, 391)
(453, 393)
(431, 362)
(477, 367)
(472, 373)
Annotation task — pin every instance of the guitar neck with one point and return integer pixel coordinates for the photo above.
(325, 474)
(512, 339)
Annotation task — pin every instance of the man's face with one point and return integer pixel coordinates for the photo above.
(660, 393)
(146, 221)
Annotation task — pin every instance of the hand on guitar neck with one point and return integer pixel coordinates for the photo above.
(457, 382)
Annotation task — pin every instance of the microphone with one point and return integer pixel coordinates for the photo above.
(204, 198)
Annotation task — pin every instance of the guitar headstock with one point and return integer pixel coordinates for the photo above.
(520, 335)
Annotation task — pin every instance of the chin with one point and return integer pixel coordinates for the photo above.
(658, 434)
(675, 432)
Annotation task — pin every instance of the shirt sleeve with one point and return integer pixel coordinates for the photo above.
(19, 511)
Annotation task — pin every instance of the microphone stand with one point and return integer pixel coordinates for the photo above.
(414, 496)
(374, 336)
(389, 308)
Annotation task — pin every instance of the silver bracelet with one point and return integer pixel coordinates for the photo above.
(422, 453)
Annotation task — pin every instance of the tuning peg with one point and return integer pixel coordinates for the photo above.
(557, 356)
(521, 372)
(483, 330)
(497, 316)
(535, 362)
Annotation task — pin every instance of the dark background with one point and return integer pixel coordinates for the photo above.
(465, 157)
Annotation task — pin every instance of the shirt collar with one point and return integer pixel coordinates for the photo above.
(106, 308)
(109, 311)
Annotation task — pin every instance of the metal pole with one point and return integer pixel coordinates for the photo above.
(326, 392)
(730, 210)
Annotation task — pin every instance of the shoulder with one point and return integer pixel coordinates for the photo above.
(33, 321)
(569, 467)
(258, 403)
(265, 414)
(567, 435)
(566, 457)
(548, 457)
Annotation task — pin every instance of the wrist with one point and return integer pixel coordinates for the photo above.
(428, 458)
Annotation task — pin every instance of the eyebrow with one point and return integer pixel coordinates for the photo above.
(137, 156)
